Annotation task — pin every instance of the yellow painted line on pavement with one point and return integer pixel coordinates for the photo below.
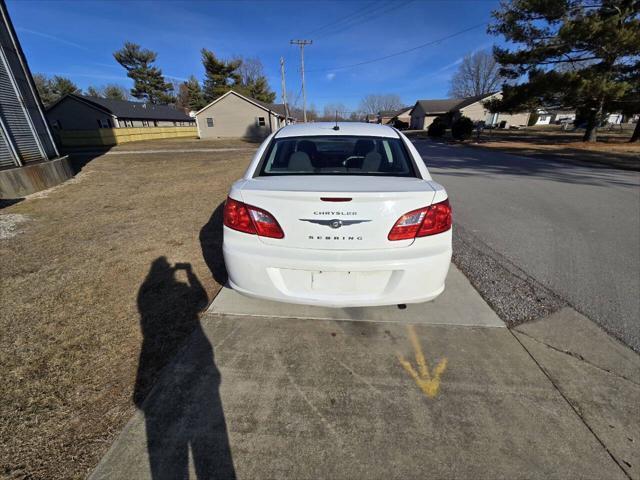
(428, 383)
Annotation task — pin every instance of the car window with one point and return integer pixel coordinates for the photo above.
(332, 155)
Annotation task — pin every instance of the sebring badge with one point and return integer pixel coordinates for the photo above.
(334, 223)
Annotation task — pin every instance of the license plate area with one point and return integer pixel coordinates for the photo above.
(349, 282)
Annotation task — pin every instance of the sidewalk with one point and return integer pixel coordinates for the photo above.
(414, 397)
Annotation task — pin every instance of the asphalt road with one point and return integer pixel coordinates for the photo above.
(574, 228)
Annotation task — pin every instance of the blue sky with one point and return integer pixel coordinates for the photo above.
(77, 39)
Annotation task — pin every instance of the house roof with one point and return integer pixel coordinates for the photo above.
(433, 107)
(133, 110)
(275, 108)
(394, 113)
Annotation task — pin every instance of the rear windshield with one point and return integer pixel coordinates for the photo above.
(333, 155)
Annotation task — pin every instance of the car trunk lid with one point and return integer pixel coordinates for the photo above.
(337, 212)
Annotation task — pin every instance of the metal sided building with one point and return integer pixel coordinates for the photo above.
(29, 159)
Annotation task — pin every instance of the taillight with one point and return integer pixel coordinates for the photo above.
(249, 219)
(422, 222)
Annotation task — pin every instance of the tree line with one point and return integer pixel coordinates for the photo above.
(245, 75)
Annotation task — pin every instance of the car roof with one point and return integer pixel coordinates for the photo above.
(358, 129)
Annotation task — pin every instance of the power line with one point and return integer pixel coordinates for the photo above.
(342, 19)
(402, 52)
(372, 15)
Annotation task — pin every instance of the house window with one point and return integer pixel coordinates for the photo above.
(145, 123)
(103, 123)
(209, 122)
(261, 122)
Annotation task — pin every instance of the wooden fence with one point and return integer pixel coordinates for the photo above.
(114, 136)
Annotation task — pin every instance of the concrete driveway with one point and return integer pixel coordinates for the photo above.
(573, 228)
(438, 390)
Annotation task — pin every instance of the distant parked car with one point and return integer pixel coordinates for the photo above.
(339, 216)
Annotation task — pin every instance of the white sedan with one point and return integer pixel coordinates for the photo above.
(339, 215)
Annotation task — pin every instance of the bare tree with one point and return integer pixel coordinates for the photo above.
(331, 110)
(380, 103)
(478, 74)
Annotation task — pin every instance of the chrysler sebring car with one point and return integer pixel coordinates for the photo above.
(337, 215)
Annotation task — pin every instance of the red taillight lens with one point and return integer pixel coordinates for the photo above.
(250, 219)
(422, 222)
(437, 220)
(266, 225)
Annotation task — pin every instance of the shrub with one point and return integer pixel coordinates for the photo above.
(462, 128)
(437, 128)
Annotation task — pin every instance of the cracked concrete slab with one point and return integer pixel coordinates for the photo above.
(573, 333)
(607, 403)
(256, 397)
(460, 304)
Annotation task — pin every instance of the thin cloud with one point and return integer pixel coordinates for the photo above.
(99, 76)
(331, 76)
(449, 66)
(51, 37)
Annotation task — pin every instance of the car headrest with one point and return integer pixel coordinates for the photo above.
(363, 146)
(300, 162)
(308, 147)
(371, 162)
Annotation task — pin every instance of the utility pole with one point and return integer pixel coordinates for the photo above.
(284, 91)
(302, 44)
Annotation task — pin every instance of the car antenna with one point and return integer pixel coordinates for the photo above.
(336, 127)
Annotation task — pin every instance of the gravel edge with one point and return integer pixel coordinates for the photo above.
(510, 292)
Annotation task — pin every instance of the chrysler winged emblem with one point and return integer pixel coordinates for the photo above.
(334, 223)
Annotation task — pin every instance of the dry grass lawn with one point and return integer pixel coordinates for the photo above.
(75, 283)
(612, 148)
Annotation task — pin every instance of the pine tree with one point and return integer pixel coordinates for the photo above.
(195, 99)
(572, 51)
(93, 92)
(44, 88)
(259, 89)
(220, 75)
(52, 89)
(253, 81)
(61, 86)
(148, 82)
(114, 92)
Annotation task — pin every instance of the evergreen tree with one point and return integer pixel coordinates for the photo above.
(148, 82)
(195, 98)
(61, 86)
(253, 81)
(259, 89)
(43, 87)
(52, 89)
(115, 92)
(220, 75)
(93, 92)
(573, 53)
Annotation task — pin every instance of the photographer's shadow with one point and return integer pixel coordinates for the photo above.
(211, 244)
(183, 411)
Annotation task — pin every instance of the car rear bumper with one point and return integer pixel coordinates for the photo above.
(337, 278)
